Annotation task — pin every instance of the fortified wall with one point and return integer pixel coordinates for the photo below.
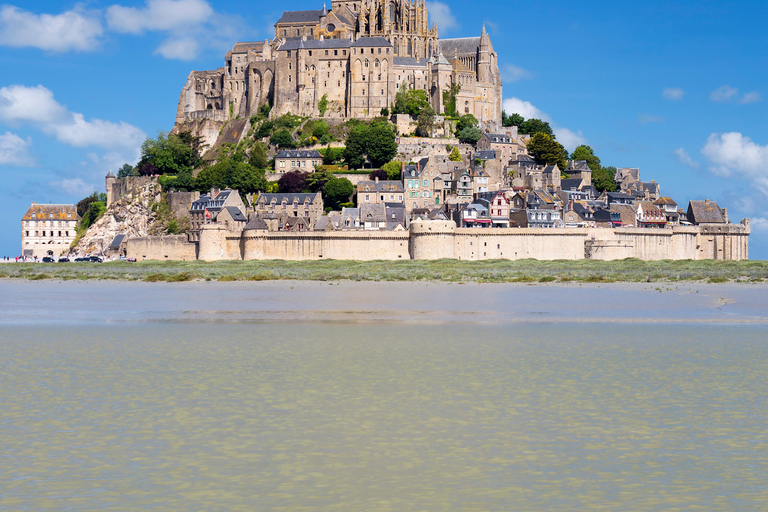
(432, 240)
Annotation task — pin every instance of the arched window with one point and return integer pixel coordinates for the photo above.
(366, 62)
(410, 48)
(210, 107)
(376, 63)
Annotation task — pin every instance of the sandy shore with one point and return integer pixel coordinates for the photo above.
(35, 302)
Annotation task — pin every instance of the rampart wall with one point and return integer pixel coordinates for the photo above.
(432, 240)
(161, 248)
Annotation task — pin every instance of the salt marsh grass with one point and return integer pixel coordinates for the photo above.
(489, 271)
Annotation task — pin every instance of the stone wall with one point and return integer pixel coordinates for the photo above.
(181, 203)
(118, 187)
(357, 245)
(161, 248)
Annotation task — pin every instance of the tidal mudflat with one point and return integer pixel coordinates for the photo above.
(382, 396)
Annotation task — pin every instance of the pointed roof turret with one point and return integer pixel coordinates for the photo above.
(325, 10)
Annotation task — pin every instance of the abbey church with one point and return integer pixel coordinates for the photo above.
(349, 62)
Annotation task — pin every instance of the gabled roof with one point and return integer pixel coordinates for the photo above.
(486, 155)
(289, 197)
(380, 186)
(236, 214)
(117, 242)
(313, 44)
(255, 46)
(51, 212)
(257, 224)
(409, 61)
(373, 213)
(460, 46)
(571, 184)
(705, 212)
(372, 41)
(299, 154)
(300, 17)
(665, 201)
(499, 138)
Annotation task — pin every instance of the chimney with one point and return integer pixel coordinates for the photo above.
(377, 179)
(725, 214)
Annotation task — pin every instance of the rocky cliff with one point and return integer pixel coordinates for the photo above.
(142, 211)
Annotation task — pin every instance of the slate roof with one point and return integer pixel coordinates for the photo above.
(500, 138)
(652, 187)
(300, 17)
(256, 224)
(409, 61)
(255, 46)
(51, 212)
(372, 41)
(380, 186)
(462, 46)
(627, 212)
(236, 214)
(486, 155)
(705, 212)
(117, 242)
(314, 44)
(373, 213)
(571, 184)
(550, 169)
(577, 165)
(299, 154)
(289, 197)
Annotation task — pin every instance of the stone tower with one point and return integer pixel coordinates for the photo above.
(110, 179)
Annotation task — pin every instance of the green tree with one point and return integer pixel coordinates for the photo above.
(332, 156)
(283, 139)
(546, 150)
(585, 153)
(513, 120)
(530, 126)
(337, 191)
(84, 204)
(426, 122)
(466, 121)
(470, 135)
(126, 170)
(603, 179)
(393, 170)
(384, 112)
(376, 141)
(169, 154)
(317, 180)
(455, 155)
(258, 158)
(184, 180)
(410, 101)
(265, 129)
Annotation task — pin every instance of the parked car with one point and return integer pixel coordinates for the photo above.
(63, 259)
(82, 259)
(95, 259)
(48, 259)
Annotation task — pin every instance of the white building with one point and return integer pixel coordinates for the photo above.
(48, 230)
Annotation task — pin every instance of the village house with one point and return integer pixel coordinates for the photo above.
(373, 216)
(504, 143)
(297, 160)
(277, 208)
(579, 169)
(650, 216)
(224, 207)
(706, 212)
(476, 215)
(498, 207)
(669, 207)
(48, 230)
(379, 192)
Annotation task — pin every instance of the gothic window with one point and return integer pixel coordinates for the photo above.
(410, 48)
(376, 63)
(366, 62)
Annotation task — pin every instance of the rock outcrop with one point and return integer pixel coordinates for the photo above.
(133, 215)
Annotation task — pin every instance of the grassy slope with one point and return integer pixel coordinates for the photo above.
(493, 271)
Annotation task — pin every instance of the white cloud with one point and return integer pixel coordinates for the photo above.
(72, 30)
(20, 104)
(524, 108)
(36, 106)
(76, 187)
(512, 73)
(159, 15)
(442, 15)
(728, 94)
(684, 158)
(673, 93)
(648, 118)
(568, 138)
(183, 48)
(734, 155)
(14, 151)
(750, 97)
(724, 94)
(759, 224)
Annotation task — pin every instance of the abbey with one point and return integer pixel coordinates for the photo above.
(349, 61)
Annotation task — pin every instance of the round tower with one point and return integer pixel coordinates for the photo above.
(111, 179)
(432, 239)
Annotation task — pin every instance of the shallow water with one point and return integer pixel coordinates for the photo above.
(319, 398)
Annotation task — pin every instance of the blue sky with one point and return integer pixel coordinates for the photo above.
(677, 89)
